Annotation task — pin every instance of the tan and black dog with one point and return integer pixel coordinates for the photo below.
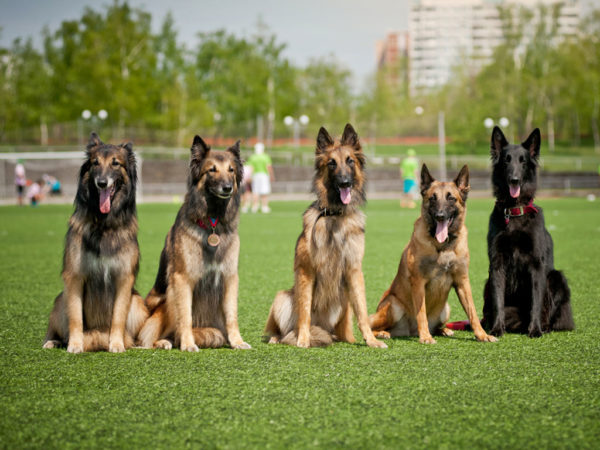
(194, 298)
(99, 308)
(435, 260)
(329, 281)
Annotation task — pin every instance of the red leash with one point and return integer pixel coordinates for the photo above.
(461, 325)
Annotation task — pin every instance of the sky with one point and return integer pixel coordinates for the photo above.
(344, 29)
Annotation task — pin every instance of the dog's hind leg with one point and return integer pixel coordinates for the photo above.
(559, 296)
(441, 328)
(281, 317)
(383, 320)
(58, 327)
(153, 329)
(137, 316)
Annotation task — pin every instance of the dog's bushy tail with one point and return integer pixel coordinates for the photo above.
(96, 340)
(318, 337)
(209, 337)
(559, 296)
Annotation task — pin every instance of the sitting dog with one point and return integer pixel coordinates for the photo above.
(99, 308)
(435, 260)
(194, 298)
(524, 293)
(329, 282)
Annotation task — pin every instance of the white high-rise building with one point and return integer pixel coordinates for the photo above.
(445, 33)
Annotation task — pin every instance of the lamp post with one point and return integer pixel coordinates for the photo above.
(296, 124)
(419, 110)
(488, 122)
(86, 115)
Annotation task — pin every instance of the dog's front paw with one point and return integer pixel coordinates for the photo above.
(427, 340)
(535, 332)
(303, 342)
(241, 346)
(75, 346)
(382, 334)
(116, 347)
(446, 332)
(189, 348)
(51, 344)
(498, 330)
(163, 344)
(486, 338)
(376, 344)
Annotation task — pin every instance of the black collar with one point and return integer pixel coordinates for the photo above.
(328, 212)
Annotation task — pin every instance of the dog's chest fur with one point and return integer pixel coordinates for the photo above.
(336, 244)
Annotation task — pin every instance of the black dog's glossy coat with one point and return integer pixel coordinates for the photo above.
(524, 293)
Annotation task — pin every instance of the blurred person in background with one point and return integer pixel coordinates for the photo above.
(262, 176)
(20, 181)
(246, 188)
(36, 192)
(409, 172)
(52, 184)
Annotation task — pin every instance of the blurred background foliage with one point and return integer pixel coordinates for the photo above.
(157, 90)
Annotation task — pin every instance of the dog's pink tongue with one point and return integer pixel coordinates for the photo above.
(104, 201)
(345, 195)
(441, 232)
(514, 191)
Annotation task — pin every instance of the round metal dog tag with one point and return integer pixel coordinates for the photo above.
(213, 240)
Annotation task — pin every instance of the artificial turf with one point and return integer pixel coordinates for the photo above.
(517, 393)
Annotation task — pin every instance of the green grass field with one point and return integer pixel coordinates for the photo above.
(517, 393)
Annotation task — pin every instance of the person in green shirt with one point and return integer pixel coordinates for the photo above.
(408, 171)
(262, 175)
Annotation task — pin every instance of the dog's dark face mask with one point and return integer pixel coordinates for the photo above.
(216, 173)
(110, 169)
(339, 167)
(515, 166)
(443, 203)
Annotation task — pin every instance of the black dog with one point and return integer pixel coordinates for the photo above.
(524, 293)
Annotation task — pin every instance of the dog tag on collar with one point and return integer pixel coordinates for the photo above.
(213, 240)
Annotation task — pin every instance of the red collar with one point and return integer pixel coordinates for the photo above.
(519, 211)
(213, 223)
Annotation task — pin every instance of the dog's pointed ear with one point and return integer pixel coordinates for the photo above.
(349, 137)
(199, 149)
(462, 182)
(426, 179)
(94, 141)
(498, 143)
(532, 144)
(324, 140)
(128, 146)
(235, 150)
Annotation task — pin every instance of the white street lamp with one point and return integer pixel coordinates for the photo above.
(503, 122)
(488, 122)
(86, 114)
(288, 120)
(102, 114)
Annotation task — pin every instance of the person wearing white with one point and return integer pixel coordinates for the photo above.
(262, 175)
